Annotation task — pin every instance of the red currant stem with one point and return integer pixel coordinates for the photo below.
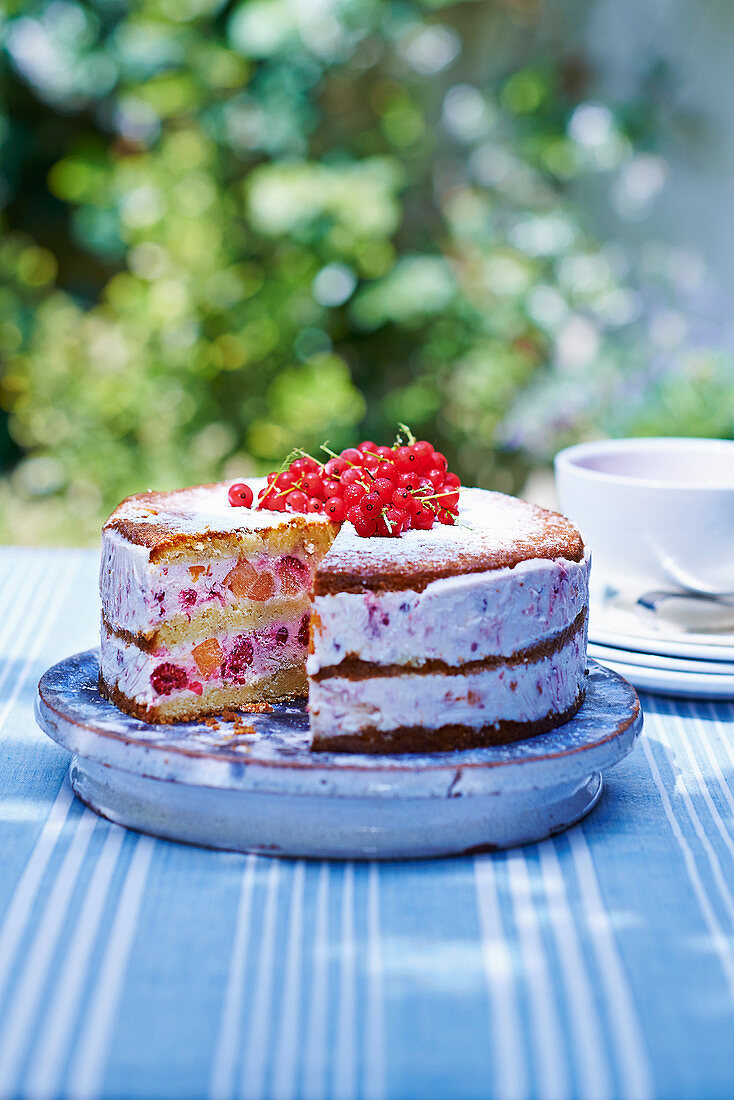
(435, 496)
(290, 457)
(281, 493)
(387, 521)
(409, 437)
(300, 453)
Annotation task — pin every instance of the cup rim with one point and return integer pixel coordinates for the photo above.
(569, 459)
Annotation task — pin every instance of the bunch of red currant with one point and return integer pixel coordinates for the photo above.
(380, 490)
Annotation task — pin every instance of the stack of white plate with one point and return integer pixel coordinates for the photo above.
(684, 647)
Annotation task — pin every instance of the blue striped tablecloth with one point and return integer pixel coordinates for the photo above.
(599, 964)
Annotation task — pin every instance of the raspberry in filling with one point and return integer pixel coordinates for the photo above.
(281, 635)
(167, 678)
(303, 630)
(188, 597)
(293, 575)
(239, 659)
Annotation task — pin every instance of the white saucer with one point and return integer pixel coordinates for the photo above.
(664, 681)
(613, 622)
(261, 789)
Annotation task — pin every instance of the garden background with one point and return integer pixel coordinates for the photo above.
(227, 229)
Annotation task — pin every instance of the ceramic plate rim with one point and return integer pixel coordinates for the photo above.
(663, 662)
(417, 771)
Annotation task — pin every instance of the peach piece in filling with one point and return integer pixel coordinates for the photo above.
(245, 580)
(208, 656)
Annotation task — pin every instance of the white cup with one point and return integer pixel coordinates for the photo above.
(656, 513)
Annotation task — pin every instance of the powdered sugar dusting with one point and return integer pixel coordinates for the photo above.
(492, 529)
(200, 510)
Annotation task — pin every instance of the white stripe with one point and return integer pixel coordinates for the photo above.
(704, 740)
(88, 1065)
(16, 584)
(724, 729)
(44, 1078)
(257, 1049)
(314, 1071)
(374, 1086)
(34, 614)
(50, 611)
(23, 1007)
(702, 786)
(24, 895)
(588, 1044)
(345, 1070)
(230, 1024)
(718, 937)
(508, 1060)
(631, 1057)
(286, 1051)
(20, 905)
(552, 1074)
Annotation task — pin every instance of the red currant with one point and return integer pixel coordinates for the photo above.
(444, 516)
(351, 476)
(303, 465)
(353, 494)
(371, 462)
(424, 517)
(334, 509)
(354, 514)
(401, 498)
(240, 495)
(332, 487)
(384, 489)
(440, 461)
(423, 451)
(370, 504)
(368, 447)
(314, 504)
(436, 476)
(285, 480)
(352, 456)
(335, 467)
(312, 484)
(405, 459)
(408, 481)
(388, 470)
(296, 501)
(451, 481)
(447, 500)
(387, 454)
(364, 526)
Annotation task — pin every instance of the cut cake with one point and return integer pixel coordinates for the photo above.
(453, 637)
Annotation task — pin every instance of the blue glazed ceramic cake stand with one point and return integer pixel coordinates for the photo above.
(254, 785)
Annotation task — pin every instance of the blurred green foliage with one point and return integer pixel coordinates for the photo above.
(233, 228)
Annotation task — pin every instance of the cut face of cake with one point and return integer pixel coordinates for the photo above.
(205, 606)
(457, 636)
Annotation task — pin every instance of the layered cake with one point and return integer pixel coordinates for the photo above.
(406, 637)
